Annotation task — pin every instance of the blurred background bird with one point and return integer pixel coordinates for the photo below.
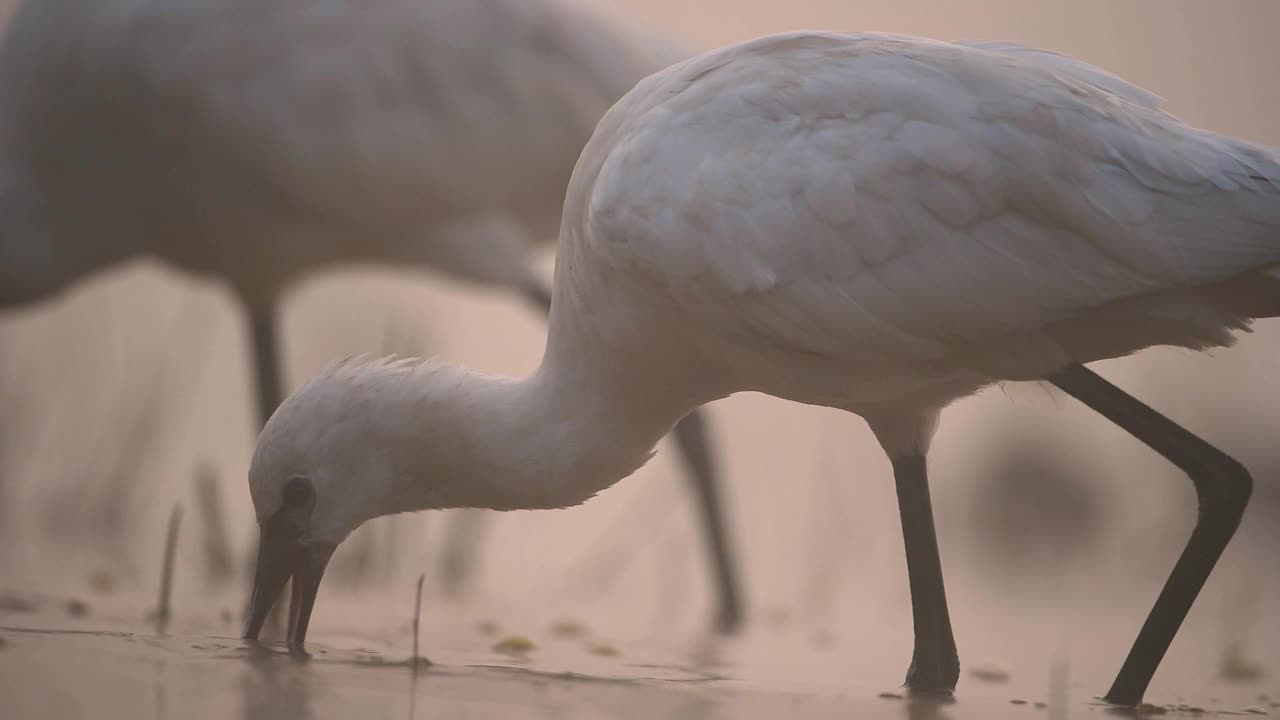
(257, 144)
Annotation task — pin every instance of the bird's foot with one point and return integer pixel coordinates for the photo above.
(298, 651)
(934, 675)
(1123, 699)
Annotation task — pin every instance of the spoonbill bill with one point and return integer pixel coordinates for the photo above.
(876, 223)
(259, 142)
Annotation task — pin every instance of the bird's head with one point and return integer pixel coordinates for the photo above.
(366, 439)
(331, 457)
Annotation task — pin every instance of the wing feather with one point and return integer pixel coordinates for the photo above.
(847, 194)
(1071, 67)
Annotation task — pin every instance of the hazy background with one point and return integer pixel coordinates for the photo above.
(112, 397)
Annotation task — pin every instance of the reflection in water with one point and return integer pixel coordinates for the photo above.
(275, 687)
(161, 711)
(927, 708)
(413, 695)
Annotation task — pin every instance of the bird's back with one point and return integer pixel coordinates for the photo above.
(882, 200)
(324, 124)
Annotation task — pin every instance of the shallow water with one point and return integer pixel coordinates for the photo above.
(111, 665)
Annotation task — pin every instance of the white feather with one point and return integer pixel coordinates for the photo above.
(876, 197)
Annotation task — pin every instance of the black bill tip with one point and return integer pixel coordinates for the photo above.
(284, 555)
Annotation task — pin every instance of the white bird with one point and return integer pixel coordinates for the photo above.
(874, 223)
(257, 143)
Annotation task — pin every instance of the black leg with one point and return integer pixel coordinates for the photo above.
(691, 435)
(266, 358)
(1222, 487)
(935, 666)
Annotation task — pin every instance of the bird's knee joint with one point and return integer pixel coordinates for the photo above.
(1227, 484)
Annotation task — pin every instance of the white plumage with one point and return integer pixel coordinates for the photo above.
(876, 223)
(951, 215)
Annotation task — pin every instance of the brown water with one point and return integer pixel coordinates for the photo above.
(107, 666)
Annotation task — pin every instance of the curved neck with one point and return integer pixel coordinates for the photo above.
(561, 438)
(553, 439)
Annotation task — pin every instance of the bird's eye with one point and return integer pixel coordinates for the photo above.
(299, 493)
